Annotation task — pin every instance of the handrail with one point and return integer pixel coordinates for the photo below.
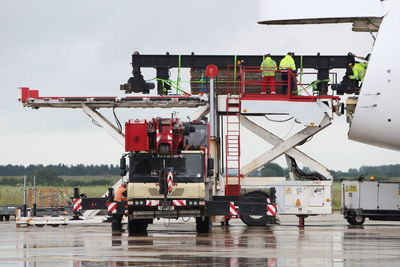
(290, 94)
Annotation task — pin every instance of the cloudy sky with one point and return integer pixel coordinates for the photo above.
(82, 48)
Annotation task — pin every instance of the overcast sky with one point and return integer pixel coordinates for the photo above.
(82, 48)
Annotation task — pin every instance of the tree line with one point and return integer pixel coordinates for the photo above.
(61, 169)
(50, 175)
(380, 172)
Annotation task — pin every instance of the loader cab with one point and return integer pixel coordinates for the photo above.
(188, 166)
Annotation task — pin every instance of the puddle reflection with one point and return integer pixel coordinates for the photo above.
(235, 245)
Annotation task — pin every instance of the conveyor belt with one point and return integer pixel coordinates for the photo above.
(31, 98)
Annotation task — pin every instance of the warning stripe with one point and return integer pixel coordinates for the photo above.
(158, 136)
(233, 210)
(178, 202)
(170, 180)
(77, 204)
(170, 135)
(152, 203)
(271, 209)
(111, 207)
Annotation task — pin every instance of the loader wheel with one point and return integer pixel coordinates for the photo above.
(203, 224)
(356, 220)
(255, 220)
(137, 226)
(39, 225)
(7, 217)
(55, 225)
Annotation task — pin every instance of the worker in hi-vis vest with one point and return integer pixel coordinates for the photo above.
(120, 196)
(268, 68)
(288, 63)
(358, 69)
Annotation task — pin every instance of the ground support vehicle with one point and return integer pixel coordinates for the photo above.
(231, 96)
(170, 177)
(370, 199)
(42, 217)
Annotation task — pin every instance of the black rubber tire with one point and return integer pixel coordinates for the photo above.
(7, 217)
(255, 220)
(1, 218)
(204, 224)
(137, 226)
(54, 225)
(356, 220)
(39, 225)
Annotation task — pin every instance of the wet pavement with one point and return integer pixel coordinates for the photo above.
(325, 241)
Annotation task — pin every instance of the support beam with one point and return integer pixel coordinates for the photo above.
(201, 61)
(115, 133)
(105, 124)
(284, 146)
(199, 113)
(293, 152)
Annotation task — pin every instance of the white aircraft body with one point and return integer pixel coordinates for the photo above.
(376, 119)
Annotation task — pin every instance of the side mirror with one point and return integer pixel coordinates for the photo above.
(210, 163)
(122, 166)
(210, 167)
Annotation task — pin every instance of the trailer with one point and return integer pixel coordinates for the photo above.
(6, 212)
(370, 199)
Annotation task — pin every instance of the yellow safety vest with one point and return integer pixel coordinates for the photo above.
(268, 67)
(287, 63)
(359, 71)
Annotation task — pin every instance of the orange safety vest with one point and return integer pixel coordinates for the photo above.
(119, 197)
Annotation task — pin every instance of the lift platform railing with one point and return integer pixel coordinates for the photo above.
(286, 84)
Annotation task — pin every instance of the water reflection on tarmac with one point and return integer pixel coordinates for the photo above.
(328, 243)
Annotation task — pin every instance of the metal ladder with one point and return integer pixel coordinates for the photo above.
(232, 146)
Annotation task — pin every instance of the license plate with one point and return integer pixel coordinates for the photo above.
(166, 208)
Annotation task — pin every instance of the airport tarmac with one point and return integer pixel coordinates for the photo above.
(325, 241)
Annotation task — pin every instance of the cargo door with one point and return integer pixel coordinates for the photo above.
(369, 195)
(296, 196)
(351, 195)
(316, 196)
(388, 196)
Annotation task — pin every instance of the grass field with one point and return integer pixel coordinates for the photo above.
(86, 178)
(14, 195)
(336, 195)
